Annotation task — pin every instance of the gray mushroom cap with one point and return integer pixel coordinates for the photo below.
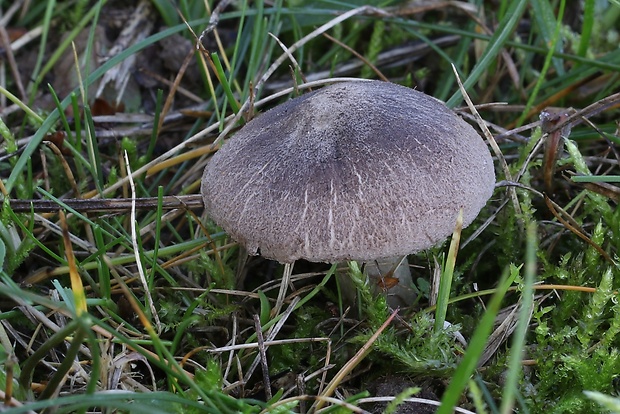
(354, 171)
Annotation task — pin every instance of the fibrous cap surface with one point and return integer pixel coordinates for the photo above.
(354, 171)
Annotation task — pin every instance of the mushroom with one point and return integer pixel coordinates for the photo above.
(360, 170)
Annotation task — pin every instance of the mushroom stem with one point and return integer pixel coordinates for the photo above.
(392, 276)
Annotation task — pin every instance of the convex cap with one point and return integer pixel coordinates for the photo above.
(354, 171)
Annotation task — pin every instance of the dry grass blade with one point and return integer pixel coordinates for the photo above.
(136, 249)
(574, 227)
(351, 364)
(552, 143)
(286, 280)
(597, 107)
(5, 40)
(413, 400)
(290, 56)
(108, 205)
(605, 189)
(271, 334)
(500, 334)
(320, 30)
(278, 62)
(135, 30)
(173, 89)
(121, 364)
(65, 166)
(357, 55)
(133, 251)
(262, 352)
(76, 282)
(491, 141)
(213, 22)
(403, 56)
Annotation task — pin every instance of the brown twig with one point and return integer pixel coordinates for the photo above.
(574, 227)
(359, 56)
(263, 357)
(579, 115)
(108, 205)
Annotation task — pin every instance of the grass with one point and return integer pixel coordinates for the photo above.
(150, 307)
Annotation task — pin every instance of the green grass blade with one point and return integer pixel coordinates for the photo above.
(554, 41)
(586, 27)
(51, 119)
(221, 75)
(518, 339)
(445, 282)
(474, 350)
(546, 22)
(496, 43)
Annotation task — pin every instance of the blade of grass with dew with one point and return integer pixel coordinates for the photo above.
(505, 29)
(518, 340)
(461, 376)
